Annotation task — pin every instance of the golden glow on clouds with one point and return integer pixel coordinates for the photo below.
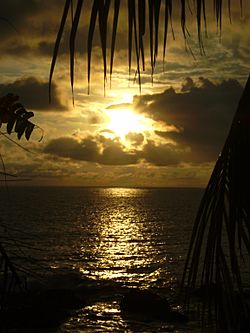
(124, 121)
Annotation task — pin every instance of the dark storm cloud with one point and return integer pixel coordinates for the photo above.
(86, 150)
(97, 150)
(114, 154)
(14, 13)
(202, 112)
(111, 152)
(162, 155)
(34, 94)
(30, 28)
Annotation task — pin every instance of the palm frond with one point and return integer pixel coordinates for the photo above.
(142, 28)
(222, 229)
(137, 20)
(92, 24)
(57, 42)
(73, 32)
(115, 23)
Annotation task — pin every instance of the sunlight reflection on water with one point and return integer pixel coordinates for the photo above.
(127, 247)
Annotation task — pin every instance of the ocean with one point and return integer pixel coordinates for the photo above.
(112, 238)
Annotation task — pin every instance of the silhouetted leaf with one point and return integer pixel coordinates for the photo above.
(157, 7)
(72, 42)
(19, 124)
(15, 107)
(14, 114)
(29, 130)
(103, 21)
(57, 42)
(92, 23)
(142, 11)
(130, 33)
(21, 131)
(115, 23)
(151, 42)
(11, 123)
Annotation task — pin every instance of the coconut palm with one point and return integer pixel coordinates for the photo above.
(222, 227)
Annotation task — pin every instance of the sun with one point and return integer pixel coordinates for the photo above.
(124, 121)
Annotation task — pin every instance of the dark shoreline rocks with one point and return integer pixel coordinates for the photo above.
(149, 306)
(50, 303)
(47, 308)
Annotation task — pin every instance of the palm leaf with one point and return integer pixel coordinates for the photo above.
(142, 26)
(157, 7)
(102, 8)
(224, 214)
(72, 42)
(168, 19)
(57, 43)
(103, 21)
(115, 23)
(130, 32)
(136, 46)
(151, 36)
(92, 23)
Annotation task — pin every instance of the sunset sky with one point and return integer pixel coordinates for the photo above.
(169, 135)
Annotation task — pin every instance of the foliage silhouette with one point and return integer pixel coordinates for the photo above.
(221, 233)
(138, 15)
(15, 116)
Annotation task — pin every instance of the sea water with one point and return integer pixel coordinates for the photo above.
(113, 237)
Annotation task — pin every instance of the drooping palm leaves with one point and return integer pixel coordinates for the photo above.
(141, 13)
(221, 233)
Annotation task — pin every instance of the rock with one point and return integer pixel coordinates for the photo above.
(150, 306)
(48, 308)
(145, 303)
(31, 317)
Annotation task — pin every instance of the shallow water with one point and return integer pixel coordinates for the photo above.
(115, 237)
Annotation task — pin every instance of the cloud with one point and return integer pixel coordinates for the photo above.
(34, 94)
(119, 106)
(162, 155)
(98, 150)
(202, 112)
(112, 152)
(136, 139)
(86, 150)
